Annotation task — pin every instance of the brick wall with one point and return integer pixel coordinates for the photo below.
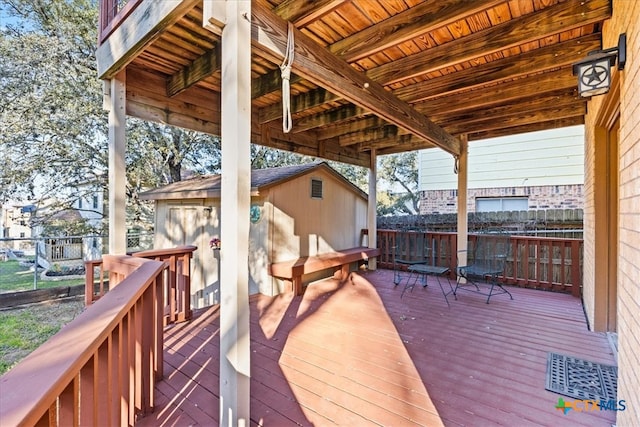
(625, 19)
(540, 198)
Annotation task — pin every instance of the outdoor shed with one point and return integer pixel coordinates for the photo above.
(296, 211)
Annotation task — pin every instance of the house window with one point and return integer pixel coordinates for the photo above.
(95, 201)
(498, 204)
(316, 189)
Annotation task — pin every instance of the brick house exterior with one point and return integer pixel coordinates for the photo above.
(536, 171)
(611, 290)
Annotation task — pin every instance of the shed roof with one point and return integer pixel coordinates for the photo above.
(209, 186)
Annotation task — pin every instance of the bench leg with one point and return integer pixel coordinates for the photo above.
(296, 285)
(344, 271)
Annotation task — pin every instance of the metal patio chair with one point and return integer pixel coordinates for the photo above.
(485, 263)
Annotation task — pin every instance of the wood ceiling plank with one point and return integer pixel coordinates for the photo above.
(499, 94)
(342, 128)
(551, 124)
(336, 115)
(318, 65)
(304, 12)
(555, 19)
(405, 26)
(533, 61)
(299, 103)
(521, 106)
(530, 117)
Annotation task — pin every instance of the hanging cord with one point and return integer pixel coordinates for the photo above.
(285, 68)
(456, 164)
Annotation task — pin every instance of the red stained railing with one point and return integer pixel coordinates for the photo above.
(534, 262)
(100, 369)
(112, 13)
(177, 289)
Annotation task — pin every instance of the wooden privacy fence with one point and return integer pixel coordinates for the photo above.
(534, 262)
(177, 289)
(100, 369)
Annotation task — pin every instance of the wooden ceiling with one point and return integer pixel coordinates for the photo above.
(389, 75)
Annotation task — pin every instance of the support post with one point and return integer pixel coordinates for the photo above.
(371, 208)
(235, 198)
(115, 101)
(463, 227)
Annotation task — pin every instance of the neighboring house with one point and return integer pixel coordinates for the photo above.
(15, 220)
(532, 171)
(295, 211)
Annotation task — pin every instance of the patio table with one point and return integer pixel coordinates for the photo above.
(424, 270)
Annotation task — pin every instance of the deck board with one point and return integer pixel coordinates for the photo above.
(355, 353)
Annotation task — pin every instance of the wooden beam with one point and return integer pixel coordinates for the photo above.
(336, 115)
(533, 61)
(550, 113)
(304, 12)
(551, 20)
(143, 26)
(318, 65)
(342, 128)
(520, 106)
(200, 68)
(552, 124)
(500, 94)
(117, 101)
(420, 19)
(368, 135)
(304, 101)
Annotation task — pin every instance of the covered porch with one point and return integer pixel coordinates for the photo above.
(356, 353)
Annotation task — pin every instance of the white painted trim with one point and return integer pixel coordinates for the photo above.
(235, 204)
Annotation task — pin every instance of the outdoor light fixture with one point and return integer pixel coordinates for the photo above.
(594, 72)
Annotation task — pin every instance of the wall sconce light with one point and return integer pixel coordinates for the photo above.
(594, 72)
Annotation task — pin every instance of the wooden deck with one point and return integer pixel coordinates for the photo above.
(355, 353)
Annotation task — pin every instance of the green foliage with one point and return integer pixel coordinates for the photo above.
(400, 171)
(53, 130)
(14, 277)
(22, 330)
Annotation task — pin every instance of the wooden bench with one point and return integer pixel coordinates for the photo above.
(293, 270)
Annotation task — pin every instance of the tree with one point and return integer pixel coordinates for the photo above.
(400, 173)
(53, 128)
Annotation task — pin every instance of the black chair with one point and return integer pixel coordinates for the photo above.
(485, 262)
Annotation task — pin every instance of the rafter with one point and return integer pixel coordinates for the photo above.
(499, 94)
(404, 26)
(533, 127)
(200, 68)
(533, 61)
(318, 65)
(547, 114)
(551, 20)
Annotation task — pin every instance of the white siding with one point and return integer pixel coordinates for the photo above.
(554, 157)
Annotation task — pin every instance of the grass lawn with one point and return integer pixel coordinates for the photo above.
(24, 328)
(14, 277)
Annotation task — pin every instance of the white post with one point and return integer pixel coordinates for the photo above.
(463, 228)
(115, 101)
(371, 208)
(236, 187)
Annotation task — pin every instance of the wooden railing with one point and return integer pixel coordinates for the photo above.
(112, 13)
(536, 262)
(177, 289)
(100, 369)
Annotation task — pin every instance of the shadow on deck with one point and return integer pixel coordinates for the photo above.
(355, 353)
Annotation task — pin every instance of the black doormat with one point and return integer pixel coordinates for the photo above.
(580, 378)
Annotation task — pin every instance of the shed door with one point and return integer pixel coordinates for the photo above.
(185, 226)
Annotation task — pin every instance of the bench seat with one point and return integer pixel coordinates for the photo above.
(293, 270)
